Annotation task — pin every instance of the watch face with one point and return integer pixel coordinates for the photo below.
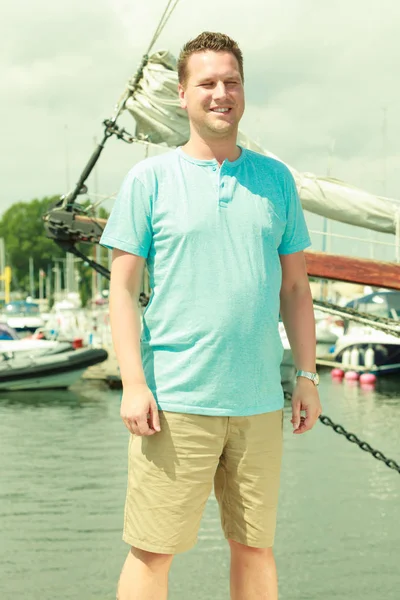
(316, 379)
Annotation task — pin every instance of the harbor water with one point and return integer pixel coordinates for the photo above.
(63, 478)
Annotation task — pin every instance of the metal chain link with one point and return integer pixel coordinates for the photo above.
(363, 445)
(351, 437)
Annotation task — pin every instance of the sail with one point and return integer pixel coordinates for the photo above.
(160, 120)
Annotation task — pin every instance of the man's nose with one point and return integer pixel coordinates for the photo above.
(219, 90)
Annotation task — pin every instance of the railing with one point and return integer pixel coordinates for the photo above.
(375, 241)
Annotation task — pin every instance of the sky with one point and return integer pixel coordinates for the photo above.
(321, 82)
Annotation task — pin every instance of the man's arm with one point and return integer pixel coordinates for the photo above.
(137, 401)
(297, 313)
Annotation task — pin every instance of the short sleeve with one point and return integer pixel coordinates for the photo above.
(129, 226)
(295, 237)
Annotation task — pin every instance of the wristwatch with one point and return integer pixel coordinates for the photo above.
(313, 376)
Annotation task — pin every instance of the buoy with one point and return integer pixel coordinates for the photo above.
(337, 373)
(354, 357)
(368, 378)
(346, 358)
(351, 376)
(369, 358)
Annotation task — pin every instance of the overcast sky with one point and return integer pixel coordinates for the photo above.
(318, 73)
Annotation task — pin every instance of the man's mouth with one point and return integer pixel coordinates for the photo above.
(223, 111)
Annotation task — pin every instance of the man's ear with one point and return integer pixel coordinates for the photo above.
(182, 98)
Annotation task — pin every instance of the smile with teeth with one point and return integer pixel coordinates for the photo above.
(221, 110)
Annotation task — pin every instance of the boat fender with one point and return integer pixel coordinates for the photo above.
(346, 358)
(369, 357)
(354, 357)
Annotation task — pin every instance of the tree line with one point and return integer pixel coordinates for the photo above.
(24, 234)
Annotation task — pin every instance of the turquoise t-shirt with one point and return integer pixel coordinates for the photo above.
(212, 237)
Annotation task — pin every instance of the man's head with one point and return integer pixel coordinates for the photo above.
(210, 70)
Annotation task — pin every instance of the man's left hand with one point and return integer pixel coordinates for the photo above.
(305, 398)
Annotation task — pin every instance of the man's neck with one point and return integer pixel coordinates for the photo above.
(219, 150)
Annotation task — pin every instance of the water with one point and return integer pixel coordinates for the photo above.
(63, 465)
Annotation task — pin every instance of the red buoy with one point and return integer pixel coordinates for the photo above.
(337, 373)
(368, 378)
(351, 375)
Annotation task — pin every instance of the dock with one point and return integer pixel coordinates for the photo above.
(107, 371)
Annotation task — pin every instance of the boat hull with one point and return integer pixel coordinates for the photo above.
(46, 382)
(49, 372)
(387, 358)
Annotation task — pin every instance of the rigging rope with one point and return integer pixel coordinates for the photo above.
(163, 21)
(390, 326)
(134, 81)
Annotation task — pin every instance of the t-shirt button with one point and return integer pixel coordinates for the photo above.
(222, 184)
(214, 168)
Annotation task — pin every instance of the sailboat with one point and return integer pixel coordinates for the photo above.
(151, 98)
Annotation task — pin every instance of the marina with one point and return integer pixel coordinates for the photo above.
(62, 441)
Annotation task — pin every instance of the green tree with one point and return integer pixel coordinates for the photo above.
(24, 235)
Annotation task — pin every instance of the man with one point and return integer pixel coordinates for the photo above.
(223, 232)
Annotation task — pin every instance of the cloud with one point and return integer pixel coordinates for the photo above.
(315, 72)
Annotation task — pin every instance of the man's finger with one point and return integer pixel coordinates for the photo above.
(143, 426)
(154, 419)
(306, 424)
(311, 419)
(295, 415)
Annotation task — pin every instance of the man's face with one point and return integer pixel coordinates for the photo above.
(213, 94)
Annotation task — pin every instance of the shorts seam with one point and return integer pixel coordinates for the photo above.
(149, 547)
(251, 544)
(127, 490)
(224, 497)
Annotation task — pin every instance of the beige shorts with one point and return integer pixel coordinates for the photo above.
(171, 474)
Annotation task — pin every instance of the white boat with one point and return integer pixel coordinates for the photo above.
(48, 371)
(23, 316)
(365, 349)
(12, 344)
(328, 328)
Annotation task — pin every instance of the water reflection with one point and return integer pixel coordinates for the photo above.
(389, 386)
(78, 396)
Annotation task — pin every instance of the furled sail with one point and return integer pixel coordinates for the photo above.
(160, 120)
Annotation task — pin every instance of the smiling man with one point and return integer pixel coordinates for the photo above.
(223, 234)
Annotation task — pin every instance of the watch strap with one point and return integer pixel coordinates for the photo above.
(308, 375)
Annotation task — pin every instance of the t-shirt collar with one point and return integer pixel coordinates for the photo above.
(213, 162)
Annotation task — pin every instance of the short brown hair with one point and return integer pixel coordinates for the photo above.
(208, 40)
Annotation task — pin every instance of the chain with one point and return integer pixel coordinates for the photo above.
(363, 445)
(351, 437)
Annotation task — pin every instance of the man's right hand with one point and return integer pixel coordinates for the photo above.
(139, 410)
